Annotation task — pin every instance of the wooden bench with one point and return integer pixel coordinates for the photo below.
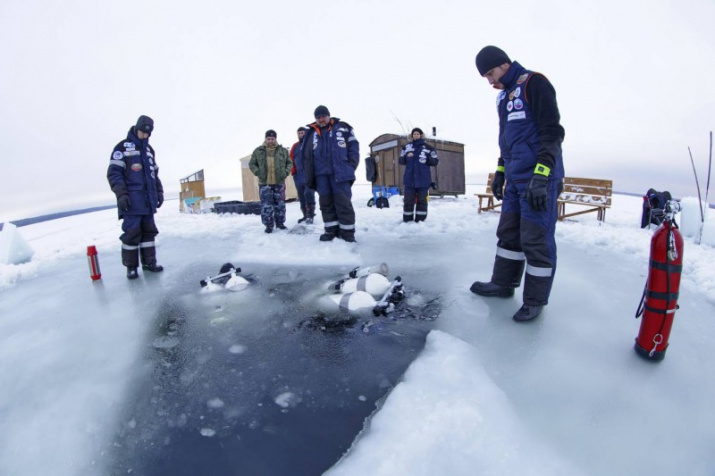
(488, 196)
(588, 195)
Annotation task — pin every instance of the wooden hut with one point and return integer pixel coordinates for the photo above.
(192, 190)
(448, 176)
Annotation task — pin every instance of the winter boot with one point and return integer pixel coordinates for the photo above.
(269, 229)
(130, 256)
(527, 313)
(305, 215)
(281, 226)
(491, 290)
(148, 258)
(153, 267)
(328, 236)
(349, 237)
(309, 215)
(132, 273)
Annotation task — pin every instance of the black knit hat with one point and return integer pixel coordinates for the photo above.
(302, 128)
(417, 129)
(489, 58)
(271, 133)
(321, 111)
(145, 124)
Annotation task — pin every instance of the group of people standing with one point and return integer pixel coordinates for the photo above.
(324, 161)
(528, 179)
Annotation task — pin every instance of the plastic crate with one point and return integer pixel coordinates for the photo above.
(235, 206)
(380, 195)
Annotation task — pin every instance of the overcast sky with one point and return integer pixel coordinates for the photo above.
(632, 82)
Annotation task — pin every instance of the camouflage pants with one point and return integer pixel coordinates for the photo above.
(273, 206)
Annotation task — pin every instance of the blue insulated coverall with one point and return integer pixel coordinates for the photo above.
(330, 156)
(417, 157)
(133, 172)
(526, 236)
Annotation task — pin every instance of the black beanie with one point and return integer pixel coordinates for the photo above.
(321, 111)
(489, 58)
(302, 128)
(271, 133)
(417, 129)
(145, 124)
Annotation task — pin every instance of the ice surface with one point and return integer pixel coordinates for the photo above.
(565, 394)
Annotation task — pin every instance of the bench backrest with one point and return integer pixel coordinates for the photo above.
(587, 191)
(579, 190)
(489, 182)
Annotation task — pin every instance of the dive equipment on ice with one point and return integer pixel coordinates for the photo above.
(660, 296)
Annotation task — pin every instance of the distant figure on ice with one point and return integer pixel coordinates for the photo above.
(530, 138)
(133, 176)
(306, 195)
(331, 153)
(417, 157)
(271, 163)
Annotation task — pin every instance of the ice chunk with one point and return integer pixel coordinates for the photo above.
(13, 247)
(237, 349)
(690, 219)
(215, 403)
(287, 399)
(165, 342)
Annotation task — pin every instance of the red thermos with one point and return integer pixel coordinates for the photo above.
(93, 261)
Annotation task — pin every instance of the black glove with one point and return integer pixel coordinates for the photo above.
(124, 203)
(498, 185)
(161, 200)
(536, 192)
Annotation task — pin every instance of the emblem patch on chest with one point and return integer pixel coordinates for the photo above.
(136, 167)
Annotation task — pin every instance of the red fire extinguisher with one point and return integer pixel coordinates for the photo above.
(660, 297)
(93, 261)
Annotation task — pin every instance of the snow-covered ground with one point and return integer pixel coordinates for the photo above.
(565, 394)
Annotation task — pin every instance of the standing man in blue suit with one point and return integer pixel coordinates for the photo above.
(417, 157)
(531, 164)
(133, 176)
(331, 153)
(306, 195)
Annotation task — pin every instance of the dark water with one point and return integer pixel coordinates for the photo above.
(256, 383)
